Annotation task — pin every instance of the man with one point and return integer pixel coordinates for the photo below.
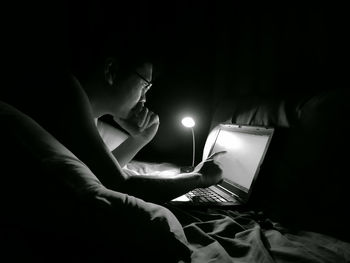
(63, 135)
(69, 104)
(121, 92)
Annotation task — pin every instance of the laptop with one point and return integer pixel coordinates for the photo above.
(245, 147)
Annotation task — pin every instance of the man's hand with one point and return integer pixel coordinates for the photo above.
(142, 124)
(210, 170)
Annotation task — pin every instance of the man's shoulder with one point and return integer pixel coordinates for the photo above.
(66, 89)
(65, 83)
(60, 97)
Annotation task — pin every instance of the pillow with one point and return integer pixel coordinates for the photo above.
(56, 196)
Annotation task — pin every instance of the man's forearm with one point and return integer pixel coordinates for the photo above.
(160, 189)
(127, 150)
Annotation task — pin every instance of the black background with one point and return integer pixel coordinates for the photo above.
(205, 50)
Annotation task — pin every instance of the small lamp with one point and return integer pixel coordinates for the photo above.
(188, 122)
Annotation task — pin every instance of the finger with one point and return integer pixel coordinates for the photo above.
(146, 123)
(217, 163)
(154, 119)
(142, 117)
(211, 157)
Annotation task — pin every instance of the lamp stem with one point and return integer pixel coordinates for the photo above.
(194, 147)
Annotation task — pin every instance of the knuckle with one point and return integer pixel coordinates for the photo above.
(156, 117)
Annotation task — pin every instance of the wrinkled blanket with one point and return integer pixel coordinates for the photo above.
(218, 235)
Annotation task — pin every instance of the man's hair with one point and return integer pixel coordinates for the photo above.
(91, 55)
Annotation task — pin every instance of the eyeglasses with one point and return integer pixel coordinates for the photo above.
(149, 83)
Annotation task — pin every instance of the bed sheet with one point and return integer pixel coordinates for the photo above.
(219, 235)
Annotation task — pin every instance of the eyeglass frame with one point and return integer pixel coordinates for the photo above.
(149, 83)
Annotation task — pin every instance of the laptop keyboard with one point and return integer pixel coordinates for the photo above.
(202, 195)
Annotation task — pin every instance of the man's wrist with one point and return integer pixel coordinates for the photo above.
(139, 140)
(196, 179)
(200, 182)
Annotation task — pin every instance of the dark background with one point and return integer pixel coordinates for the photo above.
(214, 50)
(204, 51)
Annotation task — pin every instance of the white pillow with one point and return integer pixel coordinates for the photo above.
(146, 226)
(46, 149)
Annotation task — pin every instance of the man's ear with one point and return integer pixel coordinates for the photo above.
(110, 70)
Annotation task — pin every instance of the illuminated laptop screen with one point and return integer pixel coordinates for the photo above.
(244, 153)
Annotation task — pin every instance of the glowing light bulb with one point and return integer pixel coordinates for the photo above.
(188, 122)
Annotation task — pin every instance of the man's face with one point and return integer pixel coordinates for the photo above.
(134, 89)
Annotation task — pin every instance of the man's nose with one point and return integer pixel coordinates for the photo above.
(143, 98)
